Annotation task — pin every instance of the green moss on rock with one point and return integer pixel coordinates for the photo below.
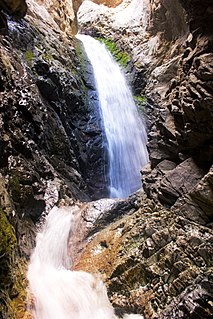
(140, 101)
(29, 57)
(14, 185)
(120, 56)
(8, 244)
(13, 282)
(7, 236)
(18, 191)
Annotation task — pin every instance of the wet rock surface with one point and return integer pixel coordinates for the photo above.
(45, 138)
(95, 216)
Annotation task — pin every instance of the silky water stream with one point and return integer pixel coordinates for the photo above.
(57, 291)
(124, 128)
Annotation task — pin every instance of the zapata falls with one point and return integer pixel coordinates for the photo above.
(106, 176)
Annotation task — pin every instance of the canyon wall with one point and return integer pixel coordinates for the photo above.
(50, 142)
(155, 249)
(156, 261)
(171, 52)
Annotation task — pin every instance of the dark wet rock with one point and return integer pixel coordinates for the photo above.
(3, 24)
(94, 147)
(41, 67)
(47, 88)
(41, 111)
(17, 8)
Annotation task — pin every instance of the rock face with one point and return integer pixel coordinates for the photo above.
(153, 261)
(168, 182)
(17, 8)
(48, 137)
(61, 11)
(154, 250)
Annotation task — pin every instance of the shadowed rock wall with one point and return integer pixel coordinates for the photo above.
(49, 135)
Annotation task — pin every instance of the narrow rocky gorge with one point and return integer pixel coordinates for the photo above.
(170, 49)
(46, 126)
(153, 250)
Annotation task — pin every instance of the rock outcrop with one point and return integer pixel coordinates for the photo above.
(62, 13)
(150, 266)
(154, 262)
(47, 138)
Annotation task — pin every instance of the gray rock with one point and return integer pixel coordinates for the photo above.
(181, 180)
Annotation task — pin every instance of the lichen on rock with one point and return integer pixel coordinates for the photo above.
(9, 287)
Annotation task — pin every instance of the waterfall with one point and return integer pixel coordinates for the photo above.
(124, 129)
(59, 293)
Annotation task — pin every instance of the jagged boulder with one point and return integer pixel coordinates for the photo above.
(167, 181)
(197, 205)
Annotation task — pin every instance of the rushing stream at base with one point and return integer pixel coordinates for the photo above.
(59, 293)
(125, 132)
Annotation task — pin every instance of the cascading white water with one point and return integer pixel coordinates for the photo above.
(125, 132)
(59, 293)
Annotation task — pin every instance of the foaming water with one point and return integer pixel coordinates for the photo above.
(58, 292)
(124, 129)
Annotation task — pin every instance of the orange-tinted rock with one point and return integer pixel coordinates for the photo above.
(109, 3)
(61, 12)
(154, 262)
